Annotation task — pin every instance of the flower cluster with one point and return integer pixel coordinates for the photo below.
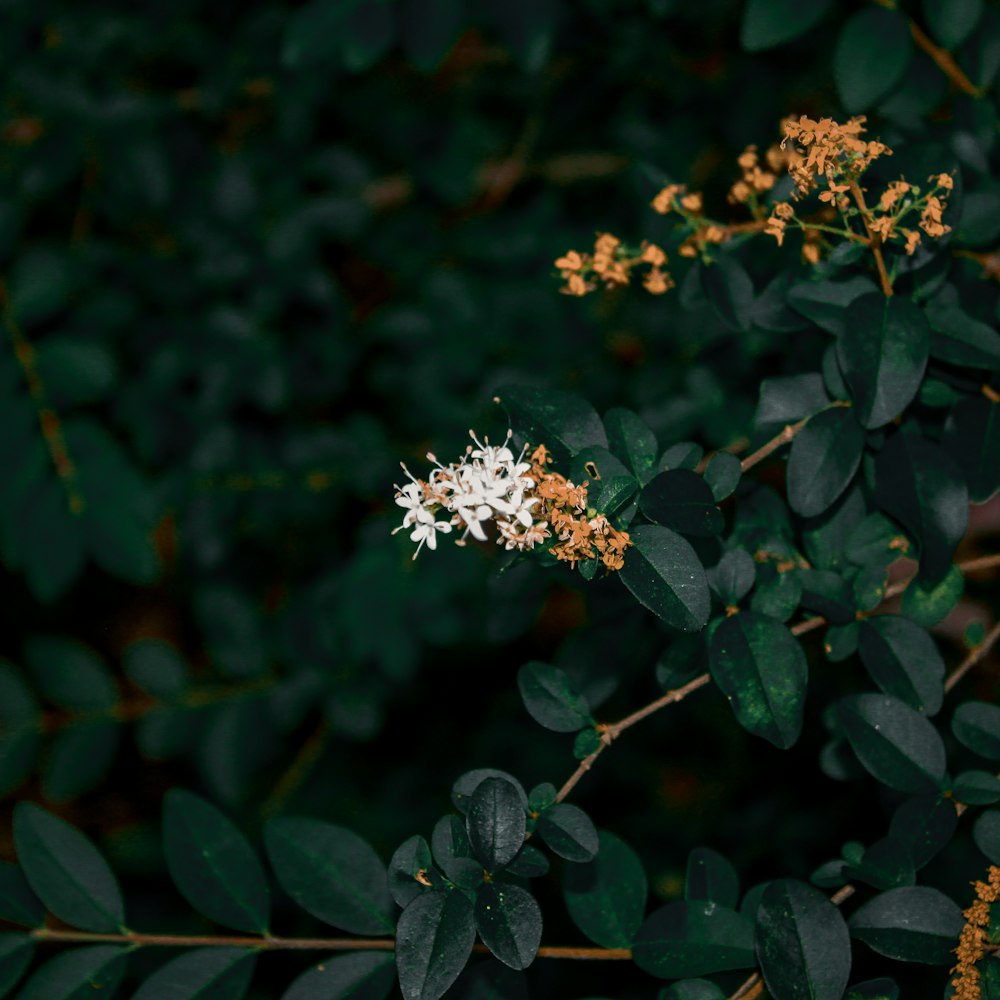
(757, 179)
(526, 501)
(972, 943)
(612, 262)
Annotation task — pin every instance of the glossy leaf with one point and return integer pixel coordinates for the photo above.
(606, 897)
(213, 865)
(925, 824)
(631, 439)
(66, 871)
(18, 903)
(360, 975)
(16, 953)
(959, 339)
(551, 698)
(682, 500)
(976, 725)
(972, 438)
(434, 939)
(410, 859)
(761, 669)
(711, 877)
(733, 576)
(729, 291)
(976, 788)
(465, 786)
(76, 973)
(510, 923)
(202, 974)
(664, 574)
(496, 823)
(769, 23)
(331, 873)
(986, 834)
(931, 603)
(722, 473)
(913, 924)
(802, 943)
(951, 21)
(569, 832)
(871, 55)
(564, 423)
(824, 457)
(903, 660)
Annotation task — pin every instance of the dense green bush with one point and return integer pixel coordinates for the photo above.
(255, 254)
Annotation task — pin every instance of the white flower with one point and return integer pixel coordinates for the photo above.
(427, 531)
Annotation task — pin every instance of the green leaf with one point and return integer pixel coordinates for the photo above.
(733, 576)
(213, 865)
(883, 353)
(711, 877)
(692, 989)
(886, 864)
(961, 340)
(976, 788)
(564, 423)
(569, 832)
(453, 852)
(16, 952)
(410, 859)
(510, 923)
(986, 834)
(465, 786)
(631, 439)
(917, 483)
(972, 438)
(664, 574)
(18, 903)
(78, 973)
(69, 674)
(894, 743)
(903, 660)
(788, 399)
(682, 500)
(871, 543)
(776, 595)
(824, 457)
(722, 473)
(694, 939)
(613, 494)
(529, 863)
(310, 31)
(156, 667)
(761, 669)
(490, 980)
(912, 924)
(682, 455)
(75, 371)
(231, 625)
(606, 897)
(66, 871)
(79, 759)
(952, 21)
(496, 823)
(729, 291)
(802, 942)
(434, 939)
(361, 975)
(769, 23)
(871, 55)
(331, 873)
(826, 302)
(925, 824)
(202, 974)
(930, 604)
(428, 29)
(20, 729)
(551, 698)
(976, 725)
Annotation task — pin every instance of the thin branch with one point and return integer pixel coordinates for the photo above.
(270, 943)
(945, 62)
(873, 241)
(774, 444)
(975, 655)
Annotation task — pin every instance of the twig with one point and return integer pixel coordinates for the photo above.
(270, 943)
(774, 444)
(873, 240)
(945, 62)
(975, 655)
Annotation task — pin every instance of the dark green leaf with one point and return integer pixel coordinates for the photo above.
(961, 340)
(66, 871)
(434, 939)
(824, 458)
(79, 759)
(986, 834)
(510, 923)
(453, 852)
(18, 903)
(776, 595)
(529, 863)
(733, 576)
(361, 975)
(683, 455)
(873, 989)
(872, 52)
(606, 897)
(769, 23)
(587, 741)
(682, 500)
(490, 980)
(711, 877)
(232, 628)
(972, 438)
(930, 604)
(69, 674)
(16, 952)
(156, 667)
(729, 291)
(692, 989)
(895, 743)
(496, 823)
(569, 832)
(925, 824)
(761, 669)
(77, 973)
(826, 302)
(976, 725)
(951, 21)
(883, 352)
(913, 924)
(613, 496)
(917, 483)
(331, 873)
(213, 865)
(564, 423)
(694, 939)
(886, 864)
(462, 790)
(790, 398)
(976, 788)
(412, 858)
(20, 729)
(802, 942)
(841, 642)
(428, 29)
(551, 698)
(630, 438)
(309, 33)
(723, 474)
(664, 574)
(874, 542)
(903, 660)
(202, 974)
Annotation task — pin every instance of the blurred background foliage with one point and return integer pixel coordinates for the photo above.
(255, 253)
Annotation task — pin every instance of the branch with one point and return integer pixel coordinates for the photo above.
(975, 655)
(945, 62)
(774, 444)
(270, 943)
(873, 241)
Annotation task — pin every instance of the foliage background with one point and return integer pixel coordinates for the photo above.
(254, 254)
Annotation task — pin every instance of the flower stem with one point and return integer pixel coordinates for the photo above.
(873, 241)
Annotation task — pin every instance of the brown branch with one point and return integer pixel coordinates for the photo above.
(270, 943)
(873, 241)
(774, 444)
(52, 429)
(945, 62)
(975, 655)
